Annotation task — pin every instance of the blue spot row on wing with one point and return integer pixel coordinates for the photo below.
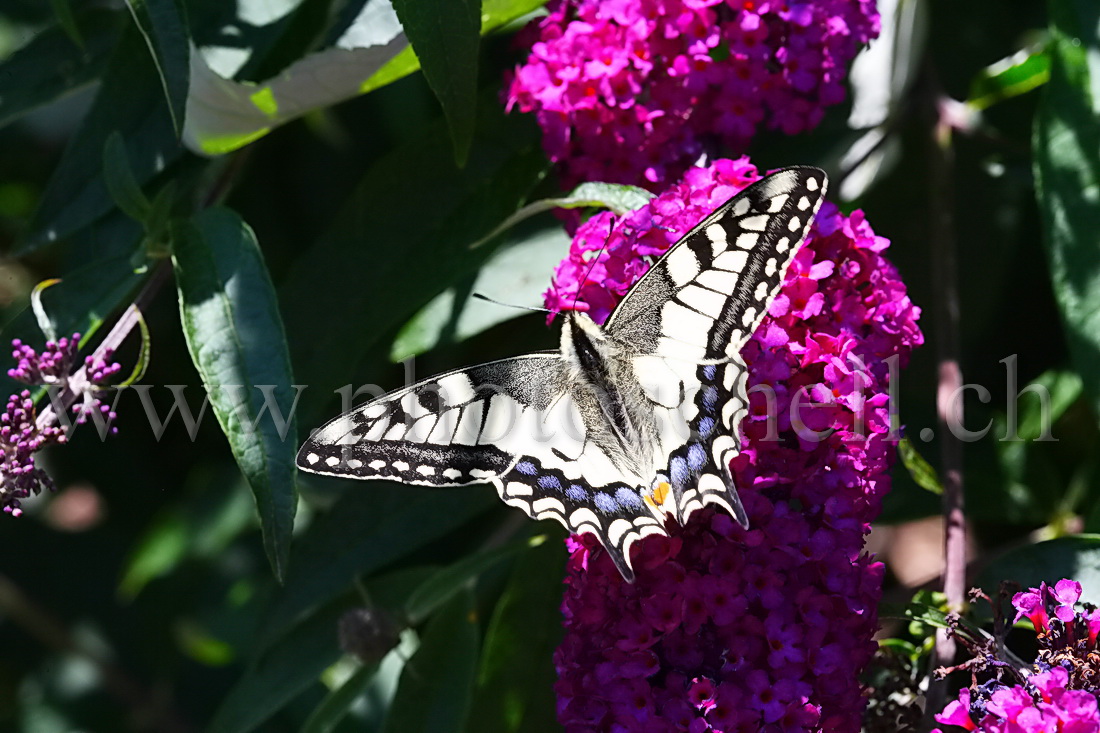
(609, 501)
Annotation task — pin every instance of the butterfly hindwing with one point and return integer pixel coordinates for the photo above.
(700, 303)
(513, 423)
(616, 512)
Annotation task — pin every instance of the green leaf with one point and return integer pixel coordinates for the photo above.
(516, 274)
(1067, 172)
(445, 37)
(494, 14)
(921, 471)
(515, 682)
(1010, 77)
(223, 115)
(372, 51)
(448, 581)
(129, 102)
(400, 240)
(373, 525)
(50, 65)
(215, 512)
(435, 688)
(281, 672)
(165, 32)
(235, 336)
(1076, 557)
(334, 708)
(64, 14)
(120, 181)
(619, 199)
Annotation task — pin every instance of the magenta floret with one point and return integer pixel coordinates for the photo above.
(766, 628)
(634, 91)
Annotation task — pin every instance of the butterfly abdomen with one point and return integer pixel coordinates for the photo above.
(618, 417)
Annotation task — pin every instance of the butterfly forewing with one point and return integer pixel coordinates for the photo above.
(701, 302)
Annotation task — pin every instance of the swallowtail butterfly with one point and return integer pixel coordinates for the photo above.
(629, 423)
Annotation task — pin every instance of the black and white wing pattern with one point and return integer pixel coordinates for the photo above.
(626, 425)
(514, 423)
(692, 312)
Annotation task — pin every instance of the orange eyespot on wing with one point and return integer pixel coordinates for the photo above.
(658, 494)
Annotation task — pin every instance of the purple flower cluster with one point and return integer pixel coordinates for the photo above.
(1059, 694)
(21, 435)
(633, 91)
(52, 366)
(727, 629)
(20, 439)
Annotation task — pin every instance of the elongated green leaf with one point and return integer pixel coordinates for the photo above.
(235, 335)
(50, 65)
(334, 708)
(1076, 557)
(445, 37)
(279, 672)
(918, 468)
(515, 682)
(400, 241)
(370, 51)
(223, 115)
(515, 275)
(435, 688)
(283, 671)
(216, 512)
(371, 526)
(494, 14)
(119, 178)
(129, 102)
(1067, 171)
(65, 18)
(615, 197)
(1010, 77)
(445, 583)
(163, 27)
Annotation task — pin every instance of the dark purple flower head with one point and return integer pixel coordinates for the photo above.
(634, 91)
(777, 619)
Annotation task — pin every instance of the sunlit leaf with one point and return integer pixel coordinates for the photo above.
(617, 198)
(1010, 77)
(516, 275)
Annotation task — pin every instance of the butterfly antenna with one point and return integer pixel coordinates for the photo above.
(486, 298)
(591, 266)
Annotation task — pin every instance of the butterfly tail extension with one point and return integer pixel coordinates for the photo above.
(616, 513)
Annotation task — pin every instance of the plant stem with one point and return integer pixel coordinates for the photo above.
(114, 339)
(949, 409)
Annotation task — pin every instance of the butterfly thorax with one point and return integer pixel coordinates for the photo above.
(611, 401)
